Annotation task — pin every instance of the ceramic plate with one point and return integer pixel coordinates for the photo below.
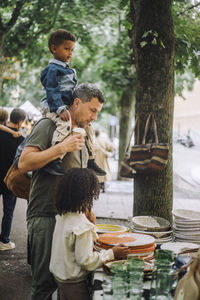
(103, 228)
(156, 234)
(162, 241)
(187, 235)
(188, 228)
(127, 238)
(151, 223)
(186, 214)
(178, 247)
(186, 240)
(148, 267)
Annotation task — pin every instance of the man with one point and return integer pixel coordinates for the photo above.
(87, 102)
(8, 146)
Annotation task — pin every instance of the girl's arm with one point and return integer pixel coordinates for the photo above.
(89, 259)
(6, 129)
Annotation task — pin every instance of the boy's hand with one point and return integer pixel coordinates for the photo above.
(16, 134)
(120, 251)
(64, 115)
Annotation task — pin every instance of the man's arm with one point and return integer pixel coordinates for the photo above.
(32, 158)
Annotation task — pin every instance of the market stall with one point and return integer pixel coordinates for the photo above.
(156, 261)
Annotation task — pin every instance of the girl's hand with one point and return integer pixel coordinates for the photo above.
(120, 251)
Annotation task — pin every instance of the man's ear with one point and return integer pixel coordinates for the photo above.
(77, 101)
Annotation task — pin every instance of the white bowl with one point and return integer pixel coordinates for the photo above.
(151, 223)
(186, 214)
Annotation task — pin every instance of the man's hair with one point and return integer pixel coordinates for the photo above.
(76, 191)
(59, 36)
(87, 91)
(3, 116)
(17, 115)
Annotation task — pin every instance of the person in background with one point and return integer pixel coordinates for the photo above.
(72, 255)
(38, 151)
(4, 121)
(59, 82)
(8, 147)
(103, 149)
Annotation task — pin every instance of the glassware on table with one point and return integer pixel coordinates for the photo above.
(119, 288)
(162, 279)
(135, 270)
(134, 263)
(135, 285)
(107, 290)
(119, 281)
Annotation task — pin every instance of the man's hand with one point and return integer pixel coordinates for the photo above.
(64, 115)
(72, 143)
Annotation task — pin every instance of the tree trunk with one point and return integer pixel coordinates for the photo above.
(153, 44)
(1, 64)
(126, 118)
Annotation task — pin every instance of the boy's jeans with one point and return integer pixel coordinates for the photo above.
(9, 201)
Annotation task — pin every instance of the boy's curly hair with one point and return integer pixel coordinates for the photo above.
(57, 37)
(76, 191)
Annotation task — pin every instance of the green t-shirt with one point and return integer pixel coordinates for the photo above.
(43, 185)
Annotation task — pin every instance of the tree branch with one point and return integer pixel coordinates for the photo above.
(189, 8)
(15, 15)
(45, 30)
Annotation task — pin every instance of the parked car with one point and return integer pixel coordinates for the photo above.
(185, 141)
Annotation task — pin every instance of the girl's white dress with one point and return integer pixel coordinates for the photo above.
(72, 255)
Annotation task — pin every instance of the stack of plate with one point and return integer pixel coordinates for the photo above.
(104, 228)
(180, 247)
(154, 226)
(148, 267)
(139, 244)
(186, 225)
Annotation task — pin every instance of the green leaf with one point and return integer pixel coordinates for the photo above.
(143, 43)
(162, 44)
(154, 41)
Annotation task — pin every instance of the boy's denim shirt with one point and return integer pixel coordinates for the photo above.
(59, 82)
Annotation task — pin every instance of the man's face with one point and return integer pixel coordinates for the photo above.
(86, 112)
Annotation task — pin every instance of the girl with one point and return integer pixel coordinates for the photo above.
(72, 255)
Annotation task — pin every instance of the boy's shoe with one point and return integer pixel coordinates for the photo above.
(92, 165)
(55, 167)
(7, 246)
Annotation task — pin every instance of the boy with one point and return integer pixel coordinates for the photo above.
(59, 82)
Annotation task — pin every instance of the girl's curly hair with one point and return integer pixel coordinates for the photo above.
(76, 191)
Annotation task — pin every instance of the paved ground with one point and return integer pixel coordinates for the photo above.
(116, 203)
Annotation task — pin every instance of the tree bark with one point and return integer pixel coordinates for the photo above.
(126, 118)
(1, 63)
(153, 44)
